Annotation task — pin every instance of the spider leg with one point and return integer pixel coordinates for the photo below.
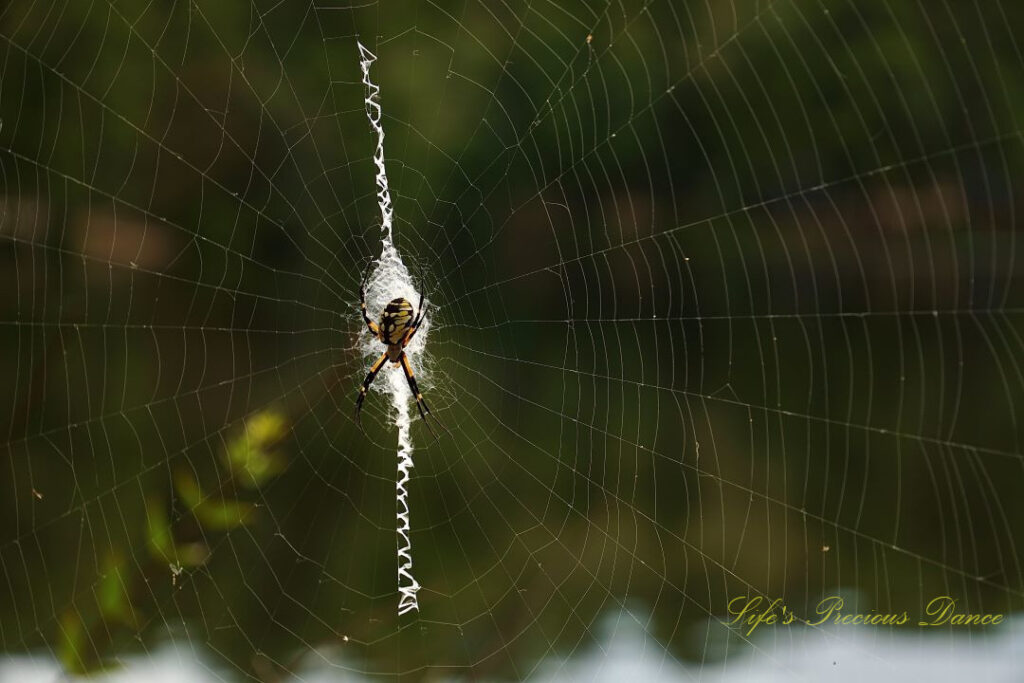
(420, 403)
(374, 369)
(370, 325)
(416, 321)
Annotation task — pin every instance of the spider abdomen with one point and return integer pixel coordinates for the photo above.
(395, 321)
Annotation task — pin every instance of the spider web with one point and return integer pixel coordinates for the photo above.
(728, 303)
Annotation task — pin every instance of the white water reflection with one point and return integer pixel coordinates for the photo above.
(627, 653)
(786, 654)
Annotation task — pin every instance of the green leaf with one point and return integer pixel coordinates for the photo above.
(266, 428)
(223, 515)
(159, 538)
(249, 456)
(71, 642)
(187, 487)
(111, 592)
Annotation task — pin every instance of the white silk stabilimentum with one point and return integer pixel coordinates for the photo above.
(390, 279)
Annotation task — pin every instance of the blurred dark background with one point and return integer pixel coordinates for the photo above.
(727, 302)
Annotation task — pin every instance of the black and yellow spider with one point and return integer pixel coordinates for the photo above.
(397, 326)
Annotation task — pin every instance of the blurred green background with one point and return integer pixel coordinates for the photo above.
(727, 302)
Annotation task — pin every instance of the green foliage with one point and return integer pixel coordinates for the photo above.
(160, 539)
(251, 456)
(71, 643)
(213, 514)
(112, 591)
(83, 635)
(224, 515)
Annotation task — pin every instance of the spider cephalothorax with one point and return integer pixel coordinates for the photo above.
(398, 323)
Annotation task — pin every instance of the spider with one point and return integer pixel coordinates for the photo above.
(395, 330)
